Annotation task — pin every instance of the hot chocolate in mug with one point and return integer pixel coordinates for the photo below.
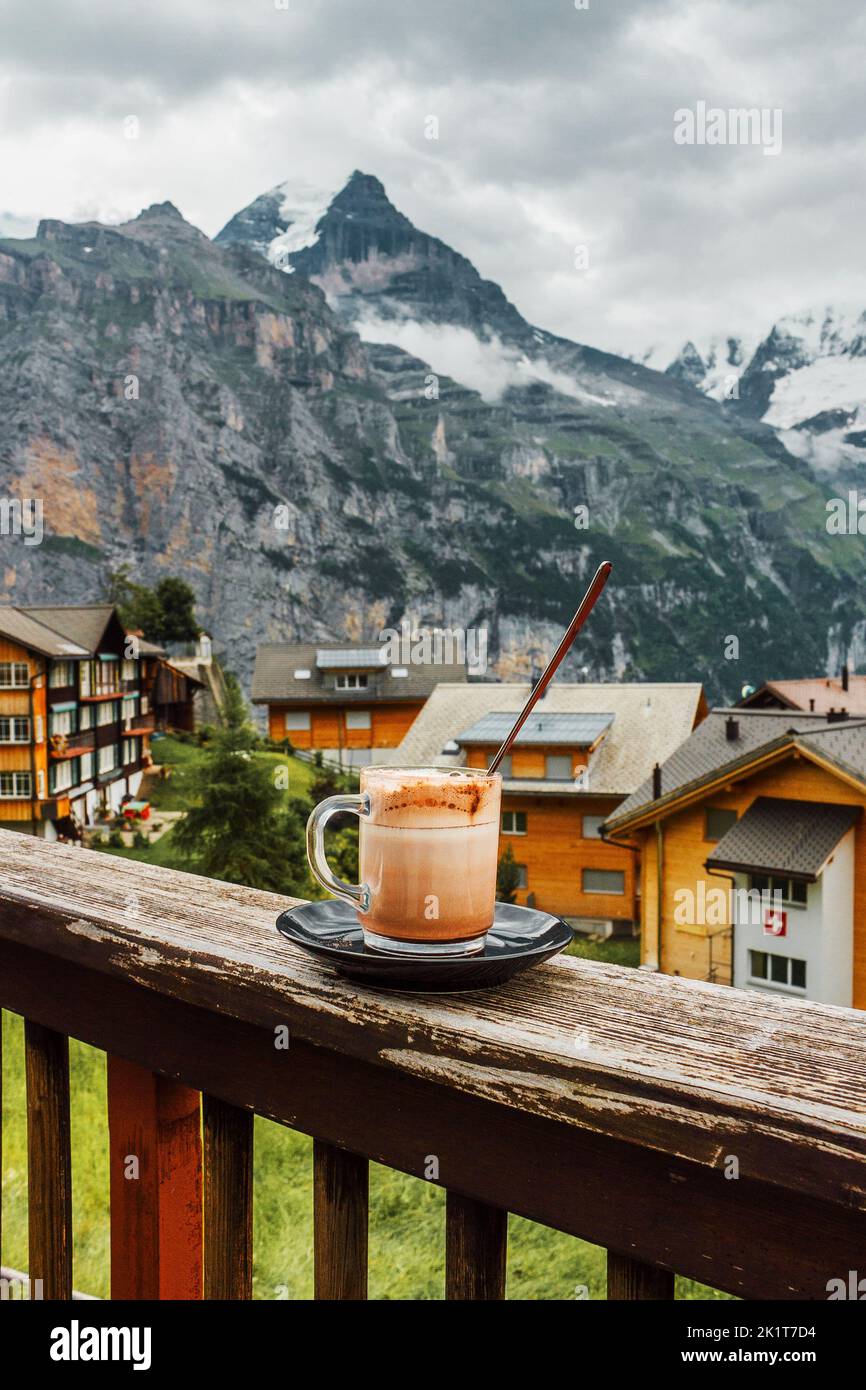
(428, 849)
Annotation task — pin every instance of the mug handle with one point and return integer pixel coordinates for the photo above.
(357, 894)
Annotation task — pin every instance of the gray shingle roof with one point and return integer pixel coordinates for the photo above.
(776, 835)
(20, 625)
(573, 730)
(81, 623)
(274, 679)
(708, 752)
(649, 722)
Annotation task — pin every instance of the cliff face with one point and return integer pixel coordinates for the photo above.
(186, 407)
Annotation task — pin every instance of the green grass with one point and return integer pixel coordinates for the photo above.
(407, 1215)
(618, 950)
(184, 758)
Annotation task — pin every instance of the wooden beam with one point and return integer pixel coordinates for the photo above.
(340, 1200)
(633, 1279)
(49, 1161)
(155, 1179)
(228, 1200)
(476, 1238)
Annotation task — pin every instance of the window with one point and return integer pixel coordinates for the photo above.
(399, 671)
(14, 730)
(777, 970)
(62, 776)
(127, 707)
(792, 892)
(40, 784)
(604, 881)
(352, 682)
(100, 677)
(129, 668)
(592, 827)
(15, 784)
(40, 730)
(107, 760)
(557, 767)
(505, 767)
(522, 881)
(514, 822)
(107, 713)
(302, 674)
(85, 770)
(85, 717)
(60, 674)
(130, 751)
(61, 721)
(717, 822)
(296, 719)
(358, 719)
(14, 675)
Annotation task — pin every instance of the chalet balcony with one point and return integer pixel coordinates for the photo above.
(610, 1103)
(140, 724)
(64, 746)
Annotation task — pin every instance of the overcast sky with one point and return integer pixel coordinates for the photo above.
(556, 129)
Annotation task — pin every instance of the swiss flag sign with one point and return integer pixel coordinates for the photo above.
(775, 922)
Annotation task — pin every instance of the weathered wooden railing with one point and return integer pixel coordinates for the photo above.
(686, 1127)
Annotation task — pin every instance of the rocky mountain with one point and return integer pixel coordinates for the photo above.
(327, 421)
(806, 378)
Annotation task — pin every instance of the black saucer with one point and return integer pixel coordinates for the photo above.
(519, 938)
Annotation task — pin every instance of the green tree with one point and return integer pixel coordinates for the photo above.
(241, 830)
(176, 602)
(163, 614)
(234, 715)
(507, 877)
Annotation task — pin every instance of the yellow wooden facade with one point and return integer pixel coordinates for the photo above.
(389, 723)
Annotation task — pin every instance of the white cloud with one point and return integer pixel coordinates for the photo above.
(488, 367)
(555, 128)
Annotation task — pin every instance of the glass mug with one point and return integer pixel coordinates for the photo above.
(427, 853)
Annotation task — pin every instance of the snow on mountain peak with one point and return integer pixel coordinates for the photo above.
(301, 209)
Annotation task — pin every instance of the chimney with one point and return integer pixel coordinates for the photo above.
(732, 729)
(812, 704)
(845, 676)
(657, 782)
(835, 716)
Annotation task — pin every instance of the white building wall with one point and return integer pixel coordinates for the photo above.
(821, 934)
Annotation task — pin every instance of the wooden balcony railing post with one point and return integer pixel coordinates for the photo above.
(228, 1200)
(476, 1239)
(155, 1167)
(340, 1220)
(49, 1161)
(633, 1279)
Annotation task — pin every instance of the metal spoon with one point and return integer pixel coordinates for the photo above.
(587, 604)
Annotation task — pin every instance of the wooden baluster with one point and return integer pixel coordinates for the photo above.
(228, 1200)
(49, 1161)
(476, 1240)
(340, 1205)
(631, 1279)
(154, 1130)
